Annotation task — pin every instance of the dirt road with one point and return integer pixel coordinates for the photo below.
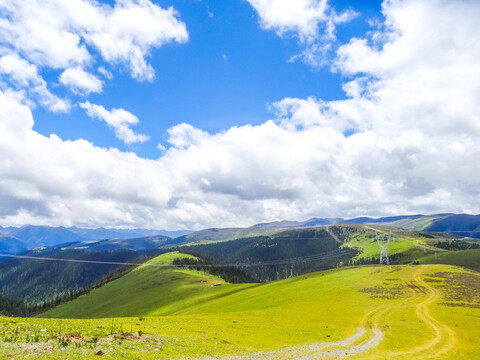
(371, 332)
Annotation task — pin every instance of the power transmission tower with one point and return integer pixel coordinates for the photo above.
(383, 248)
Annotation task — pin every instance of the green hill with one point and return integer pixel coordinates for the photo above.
(152, 290)
(368, 312)
(466, 258)
(37, 282)
(312, 249)
(289, 253)
(224, 234)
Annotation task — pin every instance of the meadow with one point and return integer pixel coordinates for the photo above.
(365, 312)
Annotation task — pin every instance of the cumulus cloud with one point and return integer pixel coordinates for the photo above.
(52, 34)
(312, 21)
(41, 35)
(405, 140)
(126, 34)
(62, 34)
(80, 81)
(120, 120)
(20, 74)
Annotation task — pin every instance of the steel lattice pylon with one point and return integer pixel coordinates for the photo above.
(384, 248)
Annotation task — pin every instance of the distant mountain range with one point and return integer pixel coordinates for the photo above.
(35, 281)
(14, 240)
(332, 221)
(458, 224)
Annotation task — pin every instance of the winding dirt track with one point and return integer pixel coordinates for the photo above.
(444, 338)
(370, 333)
(368, 336)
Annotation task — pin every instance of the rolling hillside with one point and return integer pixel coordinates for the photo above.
(311, 249)
(320, 248)
(38, 281)
(368, 312)
(289, 252)
(224, 234)
(152, 290)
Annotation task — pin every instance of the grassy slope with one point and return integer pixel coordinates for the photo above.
(417, 249)
(324, 306)
(412, 224)
(152, 290)
(370, 248)
(223, 234)
(159, 291)
(466, 258)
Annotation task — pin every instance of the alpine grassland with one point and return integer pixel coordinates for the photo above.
(369, 248)
(149, 290)
(363, 312)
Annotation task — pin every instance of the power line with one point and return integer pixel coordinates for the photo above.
(334, 253)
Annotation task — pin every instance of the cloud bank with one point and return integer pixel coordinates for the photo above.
(405, 140)
(71, 36)
(63, 34)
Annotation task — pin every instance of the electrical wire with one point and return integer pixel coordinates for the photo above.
(330, 254)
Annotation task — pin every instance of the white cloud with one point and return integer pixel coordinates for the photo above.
(413, 104)
(301, 17)
(108, 75)
(62, 34)
(24, 75)
(312, 21)
(119, 119)
(127, 34)
(40, 35)
(80, 81)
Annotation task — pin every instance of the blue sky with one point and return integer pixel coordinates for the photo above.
(193, 114)
(225, 75)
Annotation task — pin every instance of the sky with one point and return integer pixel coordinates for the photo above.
(190, 114)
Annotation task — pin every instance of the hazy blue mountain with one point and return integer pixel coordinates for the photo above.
(458, 224)
(104, 233)
(11, 245)
(30, 236)
(368, 220)
(143, 243)
(461, 224)
(34, 236)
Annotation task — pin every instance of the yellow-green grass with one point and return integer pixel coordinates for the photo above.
(318, 307)
(148, 290)
(369, 248)
(466, 258)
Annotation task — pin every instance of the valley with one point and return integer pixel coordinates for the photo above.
(365, 312)
(294, 293)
